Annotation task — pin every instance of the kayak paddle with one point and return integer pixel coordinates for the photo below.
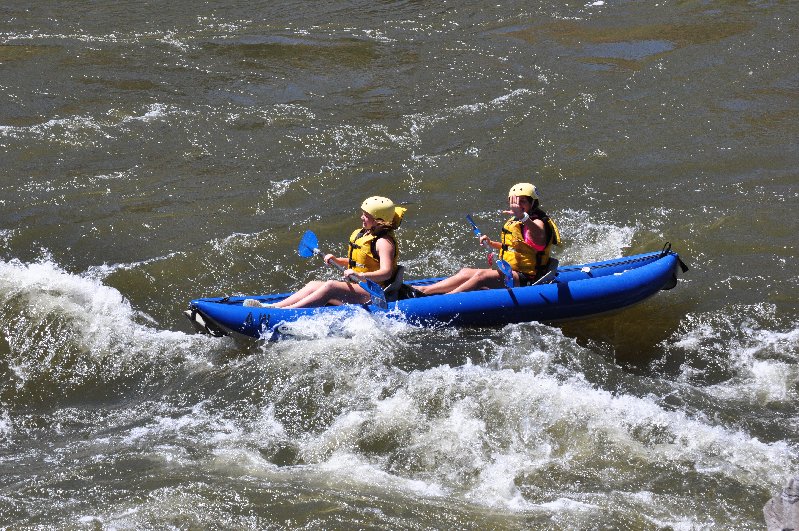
(309, 246)
(503, 266)
(478, 234)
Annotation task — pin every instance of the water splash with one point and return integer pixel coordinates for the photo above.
(64, 331)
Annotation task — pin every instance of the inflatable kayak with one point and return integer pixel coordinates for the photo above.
(570, 292)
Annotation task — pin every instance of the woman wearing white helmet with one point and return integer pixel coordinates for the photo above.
(372, 255)
(526, 243)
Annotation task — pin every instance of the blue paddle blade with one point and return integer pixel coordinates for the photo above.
(474, 227)
(376, 292)
(308, 244)
(506, 270)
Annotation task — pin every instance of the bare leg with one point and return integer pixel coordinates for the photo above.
(332, 290)
(483, 278)
(309, 288)
(450, 283)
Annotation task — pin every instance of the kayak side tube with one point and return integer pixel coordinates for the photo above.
(576, 292)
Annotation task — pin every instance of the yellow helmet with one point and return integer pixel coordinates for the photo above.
(379, 207)
(526, 189)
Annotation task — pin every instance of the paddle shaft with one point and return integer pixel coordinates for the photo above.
(371, 287)
(484, 243)
(308, 247)
(352, 278)
(503, 266)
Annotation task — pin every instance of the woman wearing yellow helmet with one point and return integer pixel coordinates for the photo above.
(373, 254)
(526, 243)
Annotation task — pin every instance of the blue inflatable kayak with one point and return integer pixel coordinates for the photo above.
(573, 292)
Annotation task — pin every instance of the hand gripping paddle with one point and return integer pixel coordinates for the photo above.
(309, 246)
(502, 265)
(478, 234)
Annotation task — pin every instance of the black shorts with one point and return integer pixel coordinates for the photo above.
(525, 279)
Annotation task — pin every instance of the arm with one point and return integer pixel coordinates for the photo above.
(535, 237)
(343, 262)
(385, 250)
(486, 240)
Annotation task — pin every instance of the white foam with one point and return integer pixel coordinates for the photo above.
(591, 240)
(6, 426)
(333, 327)
(742, 338)
(73, 130)
(207, 427)
(496, 484)
(568, 505)
(5, 234)
(344, 468)
(474, 432)
(478, 430)
(100, 272)
(418, 124)
(51, 314)
(153, 112)
(378, 36)
(171, 39)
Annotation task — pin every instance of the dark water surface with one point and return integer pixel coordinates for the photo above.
(151, 153)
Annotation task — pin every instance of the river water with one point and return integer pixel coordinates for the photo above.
(155, 152)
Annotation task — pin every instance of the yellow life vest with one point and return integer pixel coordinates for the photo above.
(526, 259)
(363, 255)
